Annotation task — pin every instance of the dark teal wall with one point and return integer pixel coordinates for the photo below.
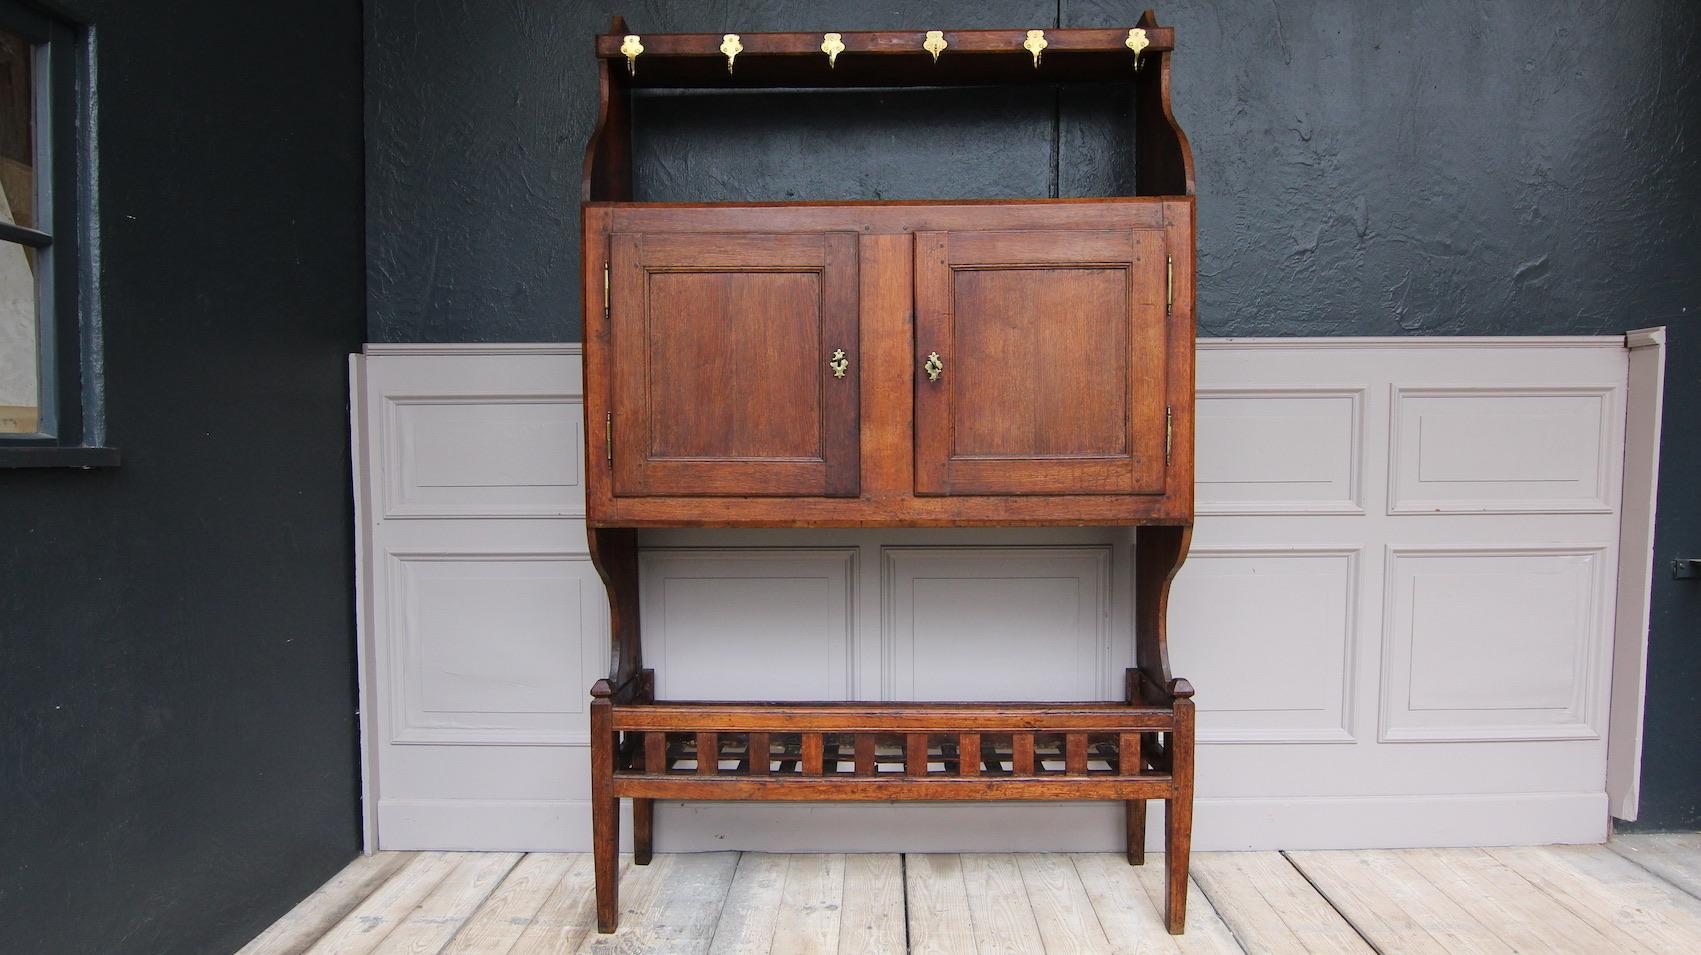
(177, 736)
(1438, 167)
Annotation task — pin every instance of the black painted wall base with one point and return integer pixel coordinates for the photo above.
(177, 738)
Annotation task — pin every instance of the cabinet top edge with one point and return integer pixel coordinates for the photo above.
(891, 203)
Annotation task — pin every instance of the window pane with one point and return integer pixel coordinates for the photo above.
(20, 386)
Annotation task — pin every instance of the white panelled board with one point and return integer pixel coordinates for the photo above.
(1398, 610)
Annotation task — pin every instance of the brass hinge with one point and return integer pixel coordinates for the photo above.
(1169, 431)
(1169, 282)
(605, 291)
(608, 436)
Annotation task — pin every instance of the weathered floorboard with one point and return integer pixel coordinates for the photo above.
(514, 905)
(1269, 905)
(1129, 902)
(305, 924)
(939, 919)
(1631, 897)
(1673, 856)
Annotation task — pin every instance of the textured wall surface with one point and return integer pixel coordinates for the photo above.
(177, 735)
(1438, 167)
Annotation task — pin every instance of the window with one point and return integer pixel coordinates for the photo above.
(49, 387)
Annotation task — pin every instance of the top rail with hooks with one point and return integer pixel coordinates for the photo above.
(883, 58)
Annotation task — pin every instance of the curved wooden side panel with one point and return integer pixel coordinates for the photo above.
(614, 553)
(607, 174)
(1158, 553)
(1163, 161)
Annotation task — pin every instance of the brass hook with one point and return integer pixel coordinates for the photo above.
(631, 47)
(731, 47)
(934, 44)
(1137, 42)
(832, 44)
(1035, 44)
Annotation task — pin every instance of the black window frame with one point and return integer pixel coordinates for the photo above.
(71, 429)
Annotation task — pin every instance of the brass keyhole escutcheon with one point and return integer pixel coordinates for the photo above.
(933, 366)
(840, 364)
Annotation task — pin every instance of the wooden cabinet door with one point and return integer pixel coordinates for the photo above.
(1051, 362)
(725, 366)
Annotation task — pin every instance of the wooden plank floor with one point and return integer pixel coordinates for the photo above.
(1640, 894)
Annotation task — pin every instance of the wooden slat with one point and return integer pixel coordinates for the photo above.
(915, 754)
(939, 919)
(888, 718)
(1075, 754)
(708, 754)
(367, 924)
(299, 928)
(514, 905)
(441, 914)
(1269, 905)
(1673, 856)
(1001, 917)
(1022, 754)
(1617, 897)
(891, 786)
(812, 754)
(1128, 754)
(1129, 902)
(756, 754)
(871, 920)
(810, 906)
(655, 753)
(865, 754)
(1061, 906)
(968, 754)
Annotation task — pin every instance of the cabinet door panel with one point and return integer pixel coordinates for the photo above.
(720, 350)
(1053, 353)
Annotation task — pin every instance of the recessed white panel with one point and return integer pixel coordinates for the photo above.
(1278, 451)
(1267, 636)
(749, 623)
(1501, 450)
(470, 456)
(491, 648)
(997, 623)
(1491, 644)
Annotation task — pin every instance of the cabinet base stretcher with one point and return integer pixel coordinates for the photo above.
(1139, 749)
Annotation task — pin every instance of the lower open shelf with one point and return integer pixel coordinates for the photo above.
(1135, 750)
(892, 751)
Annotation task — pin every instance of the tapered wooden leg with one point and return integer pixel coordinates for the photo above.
(605, 810)
(1129, 763)
(643, 829)
(1136, 831)
(1178, 813)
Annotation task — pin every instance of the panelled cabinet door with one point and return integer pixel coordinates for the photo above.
(733, 360)
(1050, 369)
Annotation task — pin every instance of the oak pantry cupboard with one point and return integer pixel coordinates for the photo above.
(884, 364)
